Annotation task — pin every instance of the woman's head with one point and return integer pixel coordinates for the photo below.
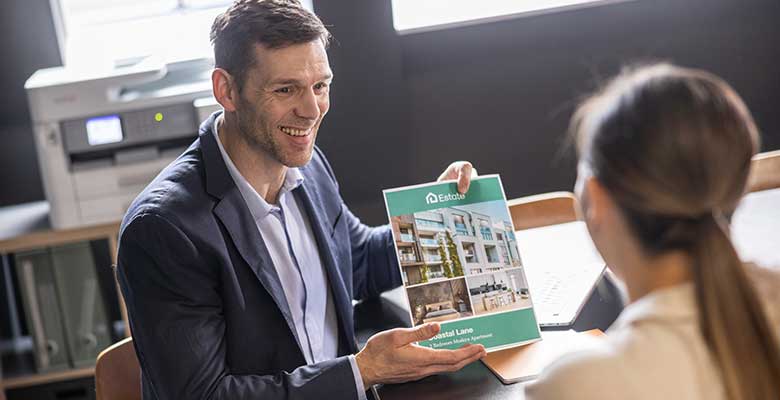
(666, 152)
(668, 143)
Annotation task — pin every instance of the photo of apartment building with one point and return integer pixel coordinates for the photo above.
(449, 242)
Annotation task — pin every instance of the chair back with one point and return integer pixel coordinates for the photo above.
(117, 372)
(764, 171)
(543, 209)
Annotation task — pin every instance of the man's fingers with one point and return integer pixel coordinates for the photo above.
(468, 361)
(403, 336)
(464, 176)
(460, 171)
(439, 368)
(450, 357)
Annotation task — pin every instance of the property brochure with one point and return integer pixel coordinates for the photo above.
(460, 264)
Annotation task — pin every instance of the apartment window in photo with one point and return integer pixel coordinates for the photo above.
(406, 235)
(484, 229)
(460, 224)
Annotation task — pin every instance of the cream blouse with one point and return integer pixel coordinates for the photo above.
(653, 351)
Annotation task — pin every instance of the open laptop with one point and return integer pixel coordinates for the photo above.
(563, 267)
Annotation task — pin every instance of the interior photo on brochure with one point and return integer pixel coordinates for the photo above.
(460, 264)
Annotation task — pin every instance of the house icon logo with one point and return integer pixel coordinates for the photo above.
(431, 198)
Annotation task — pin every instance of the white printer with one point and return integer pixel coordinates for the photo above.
(102, 136)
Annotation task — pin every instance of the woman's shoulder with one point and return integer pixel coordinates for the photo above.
(638, 361)
(580, 374)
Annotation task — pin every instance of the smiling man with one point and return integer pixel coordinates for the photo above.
(238, 263)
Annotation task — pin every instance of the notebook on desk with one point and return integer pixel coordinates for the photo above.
(563, 267)
(527, 362)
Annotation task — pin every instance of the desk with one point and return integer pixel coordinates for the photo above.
(755, 230)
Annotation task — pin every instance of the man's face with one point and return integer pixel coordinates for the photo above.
(283, 100)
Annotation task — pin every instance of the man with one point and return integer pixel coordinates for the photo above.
(238, 263)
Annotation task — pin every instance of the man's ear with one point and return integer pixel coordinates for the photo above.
(224, 88)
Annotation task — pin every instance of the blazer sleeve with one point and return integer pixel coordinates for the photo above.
(173, 299)
(374, 264)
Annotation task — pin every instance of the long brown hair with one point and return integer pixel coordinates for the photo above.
(673, 147)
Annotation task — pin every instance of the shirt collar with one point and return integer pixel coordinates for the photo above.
(258, 207)
(671, 304)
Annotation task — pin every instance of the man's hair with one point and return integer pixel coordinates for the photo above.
(273, 23)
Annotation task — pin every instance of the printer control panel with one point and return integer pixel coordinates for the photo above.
(129, 129)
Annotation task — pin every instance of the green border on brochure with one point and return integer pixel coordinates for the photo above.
(492, 331)
(431, 197)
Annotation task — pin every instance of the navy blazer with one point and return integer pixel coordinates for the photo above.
(207, 311)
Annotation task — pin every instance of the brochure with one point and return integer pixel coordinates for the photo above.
(460, 264)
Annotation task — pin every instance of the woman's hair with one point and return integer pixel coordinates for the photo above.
(673, 147)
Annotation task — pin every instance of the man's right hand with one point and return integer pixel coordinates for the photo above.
(392, 357)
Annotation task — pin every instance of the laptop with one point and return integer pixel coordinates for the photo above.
(563, 267)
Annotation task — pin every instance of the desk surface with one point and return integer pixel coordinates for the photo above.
(755, 225)
(755, 228)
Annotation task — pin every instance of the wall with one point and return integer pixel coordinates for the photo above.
(28, 41)
(501, 94)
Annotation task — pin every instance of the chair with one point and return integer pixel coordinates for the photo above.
(764, 171)
(117, 373)
(543, 209)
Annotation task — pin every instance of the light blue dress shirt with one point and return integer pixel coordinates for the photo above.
(287, 233)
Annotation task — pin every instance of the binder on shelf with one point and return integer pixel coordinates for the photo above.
(87, 329)
(41, 308)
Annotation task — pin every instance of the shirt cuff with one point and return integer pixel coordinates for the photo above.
(361, 391)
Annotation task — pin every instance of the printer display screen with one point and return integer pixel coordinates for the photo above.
(103, 130)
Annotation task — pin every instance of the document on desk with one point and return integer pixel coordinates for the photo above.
(460, 264)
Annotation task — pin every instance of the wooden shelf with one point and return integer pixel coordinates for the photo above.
(54, 238)
(26, 227)
(46, 377)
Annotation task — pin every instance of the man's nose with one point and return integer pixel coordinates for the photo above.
(308, 107)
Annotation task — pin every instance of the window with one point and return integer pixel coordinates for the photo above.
(118, 32)
(419, 15)
(492, 254)
(426, 223)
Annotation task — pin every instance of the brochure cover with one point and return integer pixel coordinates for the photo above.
(460, 264)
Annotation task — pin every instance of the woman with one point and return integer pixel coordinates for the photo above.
(664, 158)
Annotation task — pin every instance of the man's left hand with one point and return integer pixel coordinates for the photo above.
(463, 171)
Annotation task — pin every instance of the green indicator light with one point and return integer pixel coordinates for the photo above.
(158, 117)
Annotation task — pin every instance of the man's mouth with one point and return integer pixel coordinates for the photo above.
(297, 132)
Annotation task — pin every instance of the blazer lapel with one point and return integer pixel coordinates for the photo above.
(310, 197)
(250, 245)
(232, 211)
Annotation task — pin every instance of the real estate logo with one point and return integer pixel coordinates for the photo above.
(431, 198)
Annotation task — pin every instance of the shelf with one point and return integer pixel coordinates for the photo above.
(48, 377)
(26, 227)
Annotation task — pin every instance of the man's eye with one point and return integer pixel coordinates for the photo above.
(285, 89)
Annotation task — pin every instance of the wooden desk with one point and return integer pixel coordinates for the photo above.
(755, 231)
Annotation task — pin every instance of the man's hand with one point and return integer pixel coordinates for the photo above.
(391, 356)
(463, 171)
